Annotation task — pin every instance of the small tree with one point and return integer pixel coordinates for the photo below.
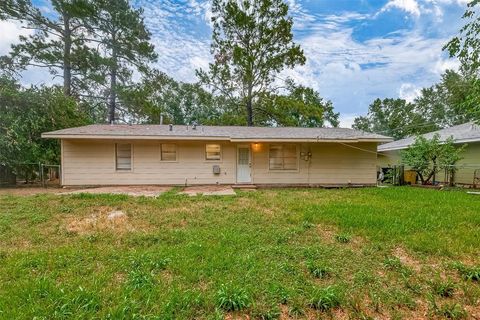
(252, 42)
(428, 157)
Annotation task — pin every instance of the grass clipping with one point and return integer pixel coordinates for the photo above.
(103, 219)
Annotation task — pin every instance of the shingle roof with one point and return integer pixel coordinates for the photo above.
(232, 133)
(467, 132)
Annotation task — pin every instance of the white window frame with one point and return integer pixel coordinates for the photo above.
(284, 170)
(161, 152)
(213, 160)
(116, 158)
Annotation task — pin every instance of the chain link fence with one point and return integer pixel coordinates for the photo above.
(32, 174)
(466, 175)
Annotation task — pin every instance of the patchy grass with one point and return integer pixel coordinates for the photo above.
(294, 253)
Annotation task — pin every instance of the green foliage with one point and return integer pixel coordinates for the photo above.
(324, 299)
(442, 288)
(125, 42)
(25, 114)
(300, 106)
(343, 238)
(450, 102)
(428, 157)
(252, 42)
(392, 263)
(232, 298)
(451, 311)
(468, 272)
(179, 103)
(466, 47)
(318, 270)
(59, 43)
(392, 117)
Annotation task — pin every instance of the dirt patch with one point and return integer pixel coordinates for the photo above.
(407, 259)
(135, 191)
(209, 191)
(29, 191)
(104, 218)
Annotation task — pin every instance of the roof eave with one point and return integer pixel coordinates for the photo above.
(127, 137)
(209, 138)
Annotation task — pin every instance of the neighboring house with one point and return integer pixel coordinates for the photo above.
(468, 133)
(185, 155)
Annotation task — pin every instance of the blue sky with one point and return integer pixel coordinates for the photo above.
(357, 50)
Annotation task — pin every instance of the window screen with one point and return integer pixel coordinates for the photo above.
(168, 152)
(283, 157)
(123, 156)
(213, 152)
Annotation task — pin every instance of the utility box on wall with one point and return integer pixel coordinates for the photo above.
(216, 169)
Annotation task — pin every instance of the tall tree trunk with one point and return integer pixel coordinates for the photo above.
(67, 63)
(112, 102)
(249, 106)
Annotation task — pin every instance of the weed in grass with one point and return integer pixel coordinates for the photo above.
(280, 294)
(271, 313)
(182, 302)
(232, 298)
(307, 225)
(140, 279)
(318, 271)
(343, 238)
(324, 299)
(467, 272)
(296, 310)
(444, 289)
(364, 277)
(451, 311)
(394, 263)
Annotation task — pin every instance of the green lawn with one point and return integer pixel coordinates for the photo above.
(294, 253)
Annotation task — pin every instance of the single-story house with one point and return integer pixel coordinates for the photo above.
(188, 155)
(468, 133)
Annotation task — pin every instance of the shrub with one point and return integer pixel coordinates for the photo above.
(325, 299)
(318, 271)
(343, 238)
(230, 298)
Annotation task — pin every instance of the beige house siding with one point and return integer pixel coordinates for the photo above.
(466, 166)
(92, 162)
(331, 163)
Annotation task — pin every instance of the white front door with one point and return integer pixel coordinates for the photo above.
(243, 165)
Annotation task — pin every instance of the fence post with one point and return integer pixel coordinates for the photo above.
(41, 175)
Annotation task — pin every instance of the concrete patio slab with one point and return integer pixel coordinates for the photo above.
(208, 191)
(135, 191)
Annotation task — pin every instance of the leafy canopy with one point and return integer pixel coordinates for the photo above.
(252, 42)
(429, 157)
(466, 47)
(442, 105)
(25, 113)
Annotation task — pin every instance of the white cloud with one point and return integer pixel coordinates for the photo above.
(409, 6)
(347, 119)
(409, 92)
(11, 30)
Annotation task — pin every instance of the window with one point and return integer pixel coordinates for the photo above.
(213, 152)
(283, 157)
(168, 152)
(123, 155)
